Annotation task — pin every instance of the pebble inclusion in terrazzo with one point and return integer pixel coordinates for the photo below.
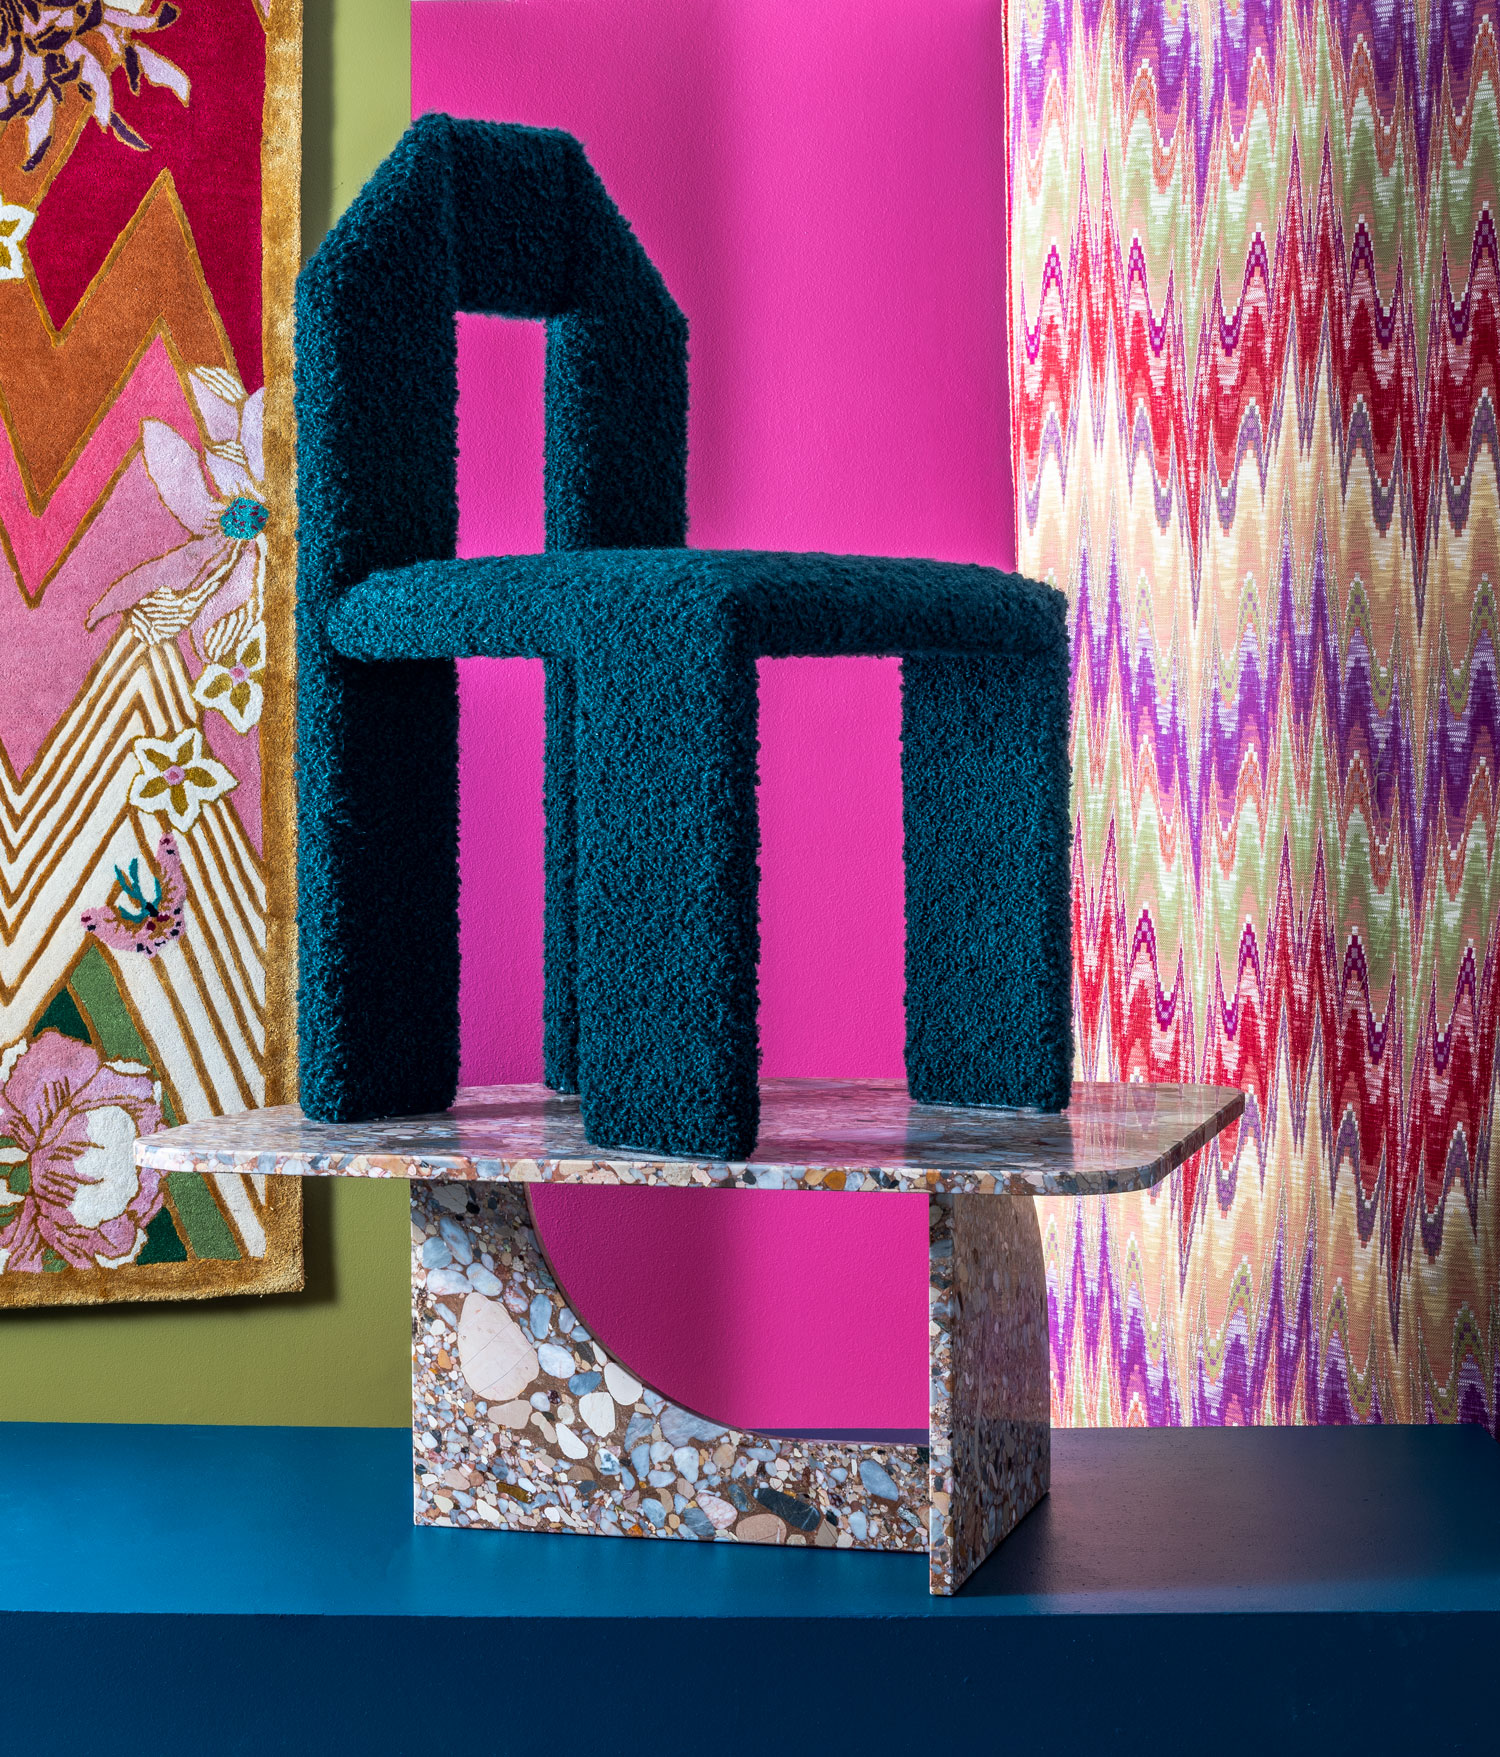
(574, 1443)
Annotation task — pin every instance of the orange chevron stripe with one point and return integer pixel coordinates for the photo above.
(55, 385)
(26, 188)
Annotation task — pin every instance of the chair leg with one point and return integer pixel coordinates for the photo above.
(668, 940)
(985, 777)
(560, 930)
(377, 875)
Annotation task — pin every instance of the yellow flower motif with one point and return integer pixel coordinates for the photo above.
(15, 223)
(235, 689)
(177, 778)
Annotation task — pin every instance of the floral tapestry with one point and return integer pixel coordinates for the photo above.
(1256, 336)
(149, 155)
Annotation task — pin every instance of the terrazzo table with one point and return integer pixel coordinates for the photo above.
(523, 1421)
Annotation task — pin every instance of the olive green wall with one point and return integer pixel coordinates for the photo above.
(337, 1353)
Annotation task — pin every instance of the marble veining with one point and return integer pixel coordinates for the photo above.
(851, 1135)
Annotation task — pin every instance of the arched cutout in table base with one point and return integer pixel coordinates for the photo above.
(490, 1337)
(763, 1489)
(835, 1328)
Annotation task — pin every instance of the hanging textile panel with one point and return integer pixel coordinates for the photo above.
(1254, 335)
(149, 155)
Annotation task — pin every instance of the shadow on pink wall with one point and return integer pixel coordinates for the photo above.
(823, 189)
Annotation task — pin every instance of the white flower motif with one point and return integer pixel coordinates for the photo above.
(15, 223)
(177, 778)
(10, 1055)
(215, 579)
(235, 689)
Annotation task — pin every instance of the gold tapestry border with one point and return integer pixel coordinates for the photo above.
(279, 1271)
(281, 256)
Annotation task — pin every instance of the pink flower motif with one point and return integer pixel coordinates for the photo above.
(70, 1183)
(218, 498)
(148, 913)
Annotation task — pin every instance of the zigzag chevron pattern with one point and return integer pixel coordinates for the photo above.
(37, 543)
(75, 800)
(1256, 337)
(54, 386)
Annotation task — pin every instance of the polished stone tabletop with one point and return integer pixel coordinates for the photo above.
(815, 1134)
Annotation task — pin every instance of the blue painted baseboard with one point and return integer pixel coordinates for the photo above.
(228, 1590)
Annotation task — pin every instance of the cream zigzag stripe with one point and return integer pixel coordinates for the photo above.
(62, 832)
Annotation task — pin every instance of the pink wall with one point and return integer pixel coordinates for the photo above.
(823, 188)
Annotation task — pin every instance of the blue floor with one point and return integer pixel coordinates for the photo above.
(1346, 1585)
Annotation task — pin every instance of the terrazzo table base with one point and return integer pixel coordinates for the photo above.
(522, 1420)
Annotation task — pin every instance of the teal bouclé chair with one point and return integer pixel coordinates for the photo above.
(650, 649)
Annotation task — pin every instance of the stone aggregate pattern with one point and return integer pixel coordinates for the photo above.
(853, 1135)
(990, 1432)
(522, 1421)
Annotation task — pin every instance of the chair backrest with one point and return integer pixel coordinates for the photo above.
(463, 216)
(496, 218)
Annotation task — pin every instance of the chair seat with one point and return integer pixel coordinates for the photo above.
(562, 603)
